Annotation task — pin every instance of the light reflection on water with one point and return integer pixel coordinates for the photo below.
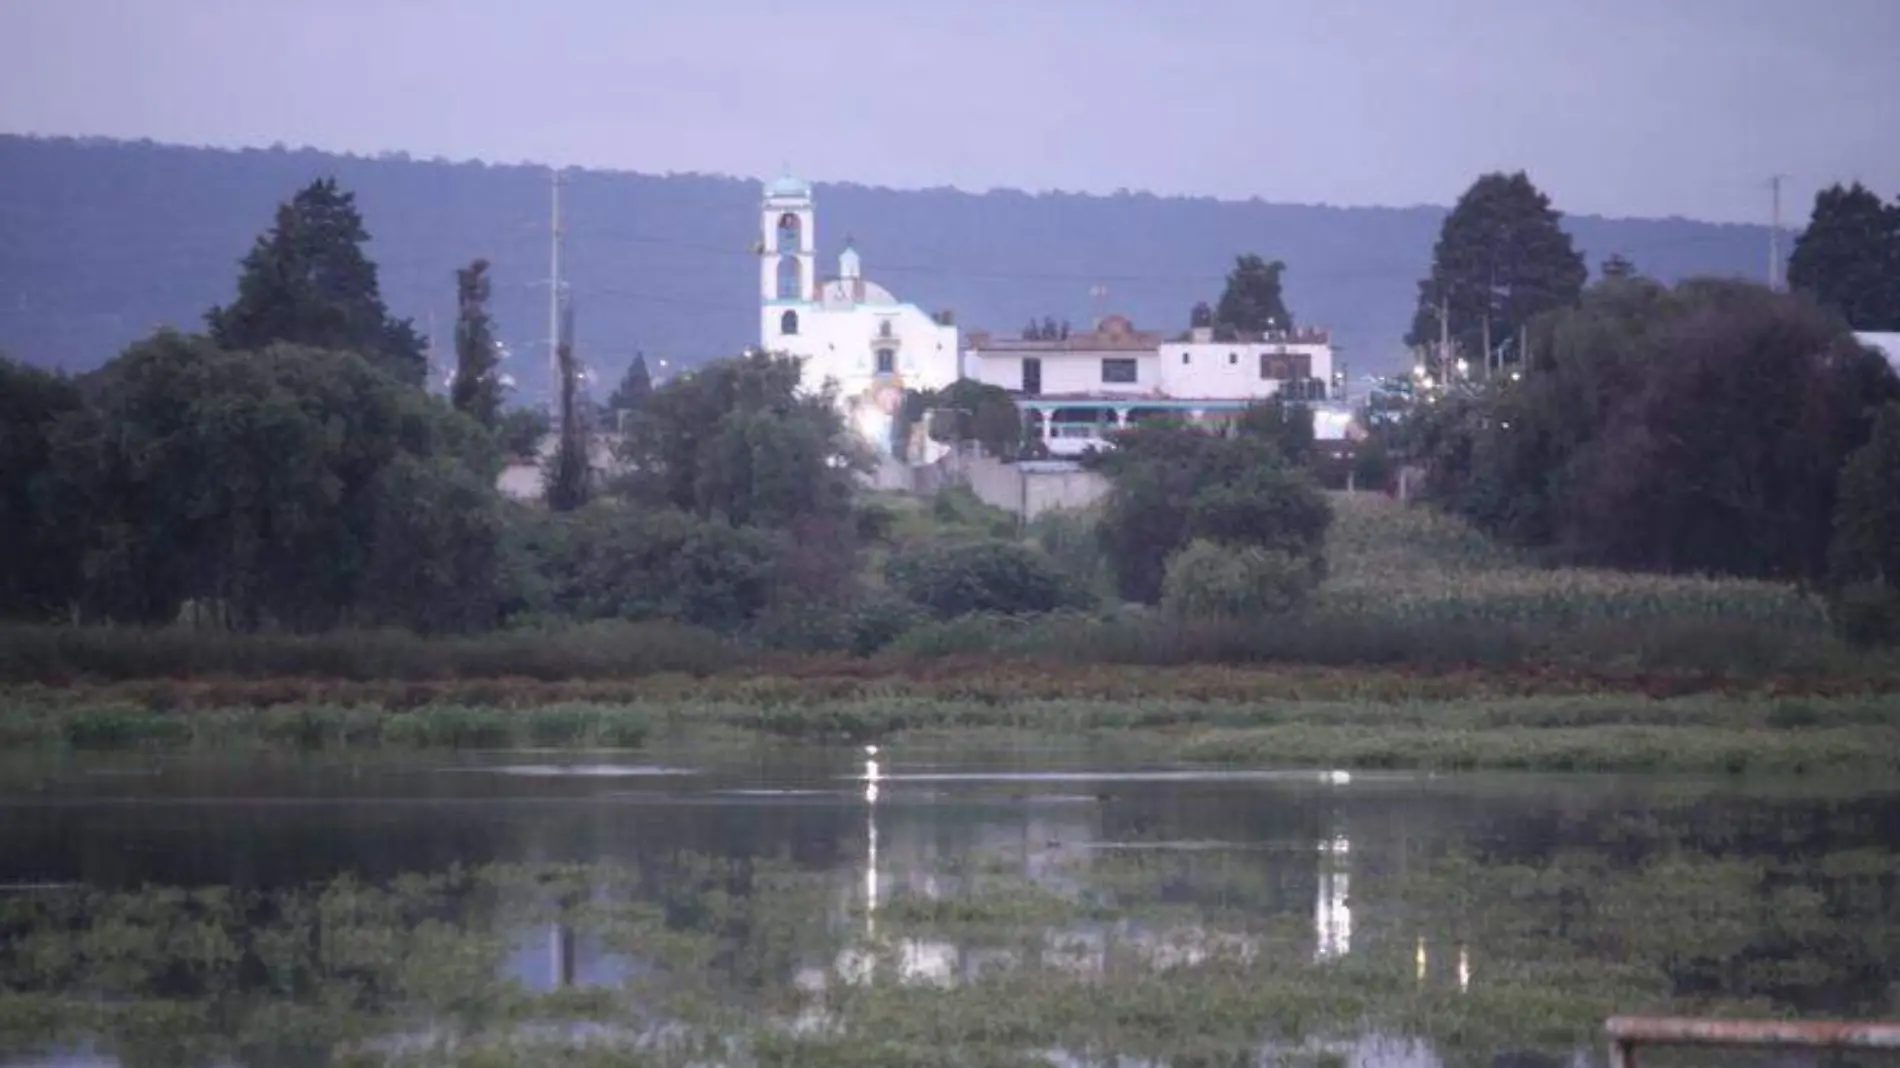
(1325, 843)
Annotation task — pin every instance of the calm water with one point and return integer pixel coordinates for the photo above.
(1178, 866)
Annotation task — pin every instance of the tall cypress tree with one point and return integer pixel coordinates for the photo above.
(1501, 259)
(477, 389)
(308, 282)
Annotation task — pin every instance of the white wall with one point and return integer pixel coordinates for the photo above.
(1183, 370)
(1232, 371)
(1069, 372)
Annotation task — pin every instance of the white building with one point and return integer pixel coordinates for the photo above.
(1078, 388)
(850, 331)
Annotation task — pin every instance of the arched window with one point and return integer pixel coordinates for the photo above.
(788, 233)
(884, 328)
(788, 323)
(788, 279)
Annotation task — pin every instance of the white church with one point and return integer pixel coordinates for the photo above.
(1074, 391)
(848, 329)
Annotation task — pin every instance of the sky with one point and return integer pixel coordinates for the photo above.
(1614, 107)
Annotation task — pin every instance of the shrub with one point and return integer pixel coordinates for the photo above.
(1867, 614)
(1209, 580)
(982, 576)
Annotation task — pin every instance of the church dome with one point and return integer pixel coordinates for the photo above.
(788, 186)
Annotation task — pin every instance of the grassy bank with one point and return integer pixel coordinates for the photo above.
(1702, 733)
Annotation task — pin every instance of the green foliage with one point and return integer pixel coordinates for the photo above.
(250, 483)
(1226, 581)
(307, 282)
(1288, 427)
(39, 556)
(996, 576)
(435, 559)
(1848, 258)
(522, 430)
(1072, 539)
(968, 410)
(612, 560)
(477, 390)
(1269, 506)
(736, 440)
(1252, 302)
(570, 483)
(1697, 429)
(1865, 554)
(1173, 484)
(1501, 260)
(1372, 466)
(635, 387)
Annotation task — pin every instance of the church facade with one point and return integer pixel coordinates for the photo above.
(851, 333)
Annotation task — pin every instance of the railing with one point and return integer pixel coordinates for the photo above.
(1627, 1032)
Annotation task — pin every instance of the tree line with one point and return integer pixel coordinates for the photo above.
(1714, 426)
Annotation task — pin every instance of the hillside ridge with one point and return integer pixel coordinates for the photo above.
(103, 240)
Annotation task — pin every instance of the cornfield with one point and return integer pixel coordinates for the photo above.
(1412, 563)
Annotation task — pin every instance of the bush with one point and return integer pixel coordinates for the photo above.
(611, 561)
(982, 576)
(1209, 580)
(860, 625)
(1867, 614)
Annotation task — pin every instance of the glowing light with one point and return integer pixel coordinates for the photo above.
(1464, 969)
(1419, 956)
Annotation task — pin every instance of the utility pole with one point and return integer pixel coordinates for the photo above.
(554, 285)
(1774, 232)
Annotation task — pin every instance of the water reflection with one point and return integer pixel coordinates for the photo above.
(793, 888)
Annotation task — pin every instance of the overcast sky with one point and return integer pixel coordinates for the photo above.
(1619, 107)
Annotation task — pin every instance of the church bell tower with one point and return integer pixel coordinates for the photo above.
(788, 269)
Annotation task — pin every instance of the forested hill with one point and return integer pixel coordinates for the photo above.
(102, 241)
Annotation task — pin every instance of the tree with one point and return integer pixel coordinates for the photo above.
(308, 282)
(738, 441)
(1170, 484)
(1865, 555)
(992, 575)
(634, 388)
(968, 410)
(1848, 259)
(568, 483)
(1287, 426)
(251, 484)
(522, 430)
(1617, 266)
(1700, 429)
(1252, 302)
(39, 555)
(477, 388)
(1501, 259)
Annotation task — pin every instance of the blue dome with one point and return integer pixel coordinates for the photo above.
(788, 186)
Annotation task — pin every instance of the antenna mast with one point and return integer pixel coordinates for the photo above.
(554, 284)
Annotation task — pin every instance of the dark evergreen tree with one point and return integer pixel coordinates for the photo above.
(1252, 303)
(567, 484)
(477, 388)
(1501, 259)
(1617, 266)
(39, 554)
(1848, 259)
(634, 388)
(308, 282)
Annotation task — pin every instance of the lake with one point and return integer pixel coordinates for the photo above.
(825, 907)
